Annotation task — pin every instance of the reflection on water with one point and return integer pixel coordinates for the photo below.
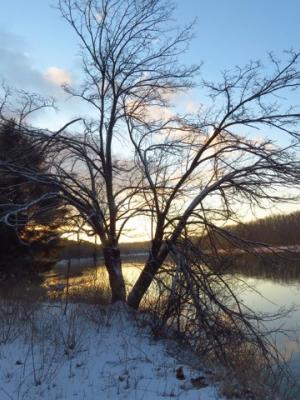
(275, 296)
(280, 287)
(83, 273)
(283, 268)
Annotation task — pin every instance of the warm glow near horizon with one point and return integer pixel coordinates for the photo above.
(139, 229)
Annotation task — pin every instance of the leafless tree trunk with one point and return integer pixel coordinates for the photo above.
(129, 63)
(186, 174)
(130, 68)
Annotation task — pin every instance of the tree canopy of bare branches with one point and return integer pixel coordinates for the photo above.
(129, 63)
(202, 174)
(188, 175)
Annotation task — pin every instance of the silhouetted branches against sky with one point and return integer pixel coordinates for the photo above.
(132, 155)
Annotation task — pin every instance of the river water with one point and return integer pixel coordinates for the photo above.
(276, 295)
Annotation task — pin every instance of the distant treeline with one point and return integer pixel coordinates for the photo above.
(278, 230)
(85, 249)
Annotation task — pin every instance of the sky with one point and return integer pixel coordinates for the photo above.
(38, 50)
(227, 32)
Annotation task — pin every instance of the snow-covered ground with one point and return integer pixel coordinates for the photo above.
(91, 353)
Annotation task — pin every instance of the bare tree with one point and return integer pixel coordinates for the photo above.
(129, 58)
(188, 175)
(198, 180)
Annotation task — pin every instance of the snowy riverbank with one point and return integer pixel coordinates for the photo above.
(91, 353)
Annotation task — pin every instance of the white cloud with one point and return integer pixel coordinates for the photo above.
(191, 106)
(58, 76)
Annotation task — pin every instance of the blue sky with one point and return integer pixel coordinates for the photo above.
(233, 31)
(228, 32)
(36, 44)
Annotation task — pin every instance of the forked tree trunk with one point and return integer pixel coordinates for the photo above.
(146, 277)
(113, 265)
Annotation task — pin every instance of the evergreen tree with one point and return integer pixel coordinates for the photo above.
(29, 240)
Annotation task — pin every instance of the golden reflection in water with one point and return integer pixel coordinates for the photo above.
(81, 276)
(276, 294)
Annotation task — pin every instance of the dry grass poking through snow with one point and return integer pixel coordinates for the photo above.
(89, 353)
